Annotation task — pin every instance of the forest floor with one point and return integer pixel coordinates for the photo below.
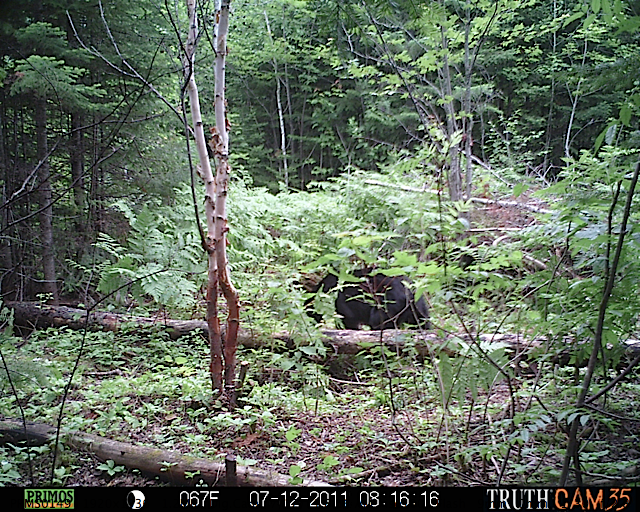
(338, 427)
(353, 439)
(386, 449)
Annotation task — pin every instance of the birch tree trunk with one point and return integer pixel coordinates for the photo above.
(220, 146)
(215, 202)
(548, 157)
(283, 140)
(574, 104)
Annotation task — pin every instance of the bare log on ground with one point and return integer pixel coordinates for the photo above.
(339, 341)
(168, 465)
(33, 315)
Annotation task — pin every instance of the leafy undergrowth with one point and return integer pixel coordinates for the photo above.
(333, 422)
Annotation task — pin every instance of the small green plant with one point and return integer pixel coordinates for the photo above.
(166, 466)
(9, 474)
(328, 463)
(110, 467)
(63, 473)
(190, 475)
(290, 435)
(294, 471)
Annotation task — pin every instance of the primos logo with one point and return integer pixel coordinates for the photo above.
(48, 498)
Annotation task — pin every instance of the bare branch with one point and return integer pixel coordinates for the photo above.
(132, 73)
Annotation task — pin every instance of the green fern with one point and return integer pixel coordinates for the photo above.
(161, 261)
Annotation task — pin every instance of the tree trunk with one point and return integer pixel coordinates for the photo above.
(455, 176)
(468, 119)
(7, 272)
(76, 159)
(479, 200)
(575, 98)
(216, 190)
(213, 322)
(46, 205)
(546, 163)
(572, 452)
(283, 139)
(221, 154)
(33, 315)
(96, 195)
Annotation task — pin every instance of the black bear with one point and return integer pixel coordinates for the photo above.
(379, 301)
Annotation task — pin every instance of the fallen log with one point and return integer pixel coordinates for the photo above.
(170, 466)
(33, 315)
(480, 200)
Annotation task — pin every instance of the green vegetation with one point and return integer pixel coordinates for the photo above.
(346, 118)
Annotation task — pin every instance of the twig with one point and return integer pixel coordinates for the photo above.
(133, 72)
(624, 372)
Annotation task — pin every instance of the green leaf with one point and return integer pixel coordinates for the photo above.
(625, 114)
(309, 350)
(617, 7)
(345, 252)
(519, 189)
(292, 433)
(600, 139)
(572, 18)
(328, 462)
(286, 364)
(294, 470)
(588, 21)
(610, 133)
(405, 259)
(393, 272)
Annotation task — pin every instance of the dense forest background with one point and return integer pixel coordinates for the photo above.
(362, 133)
(315, 90)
